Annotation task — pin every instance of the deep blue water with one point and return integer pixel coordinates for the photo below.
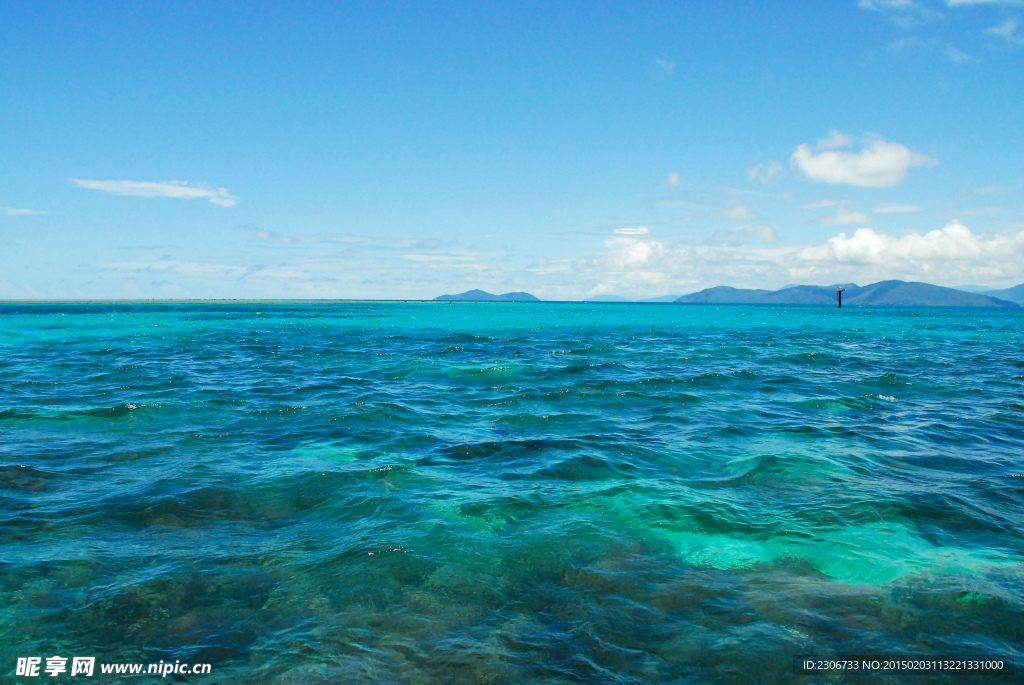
(509, 493)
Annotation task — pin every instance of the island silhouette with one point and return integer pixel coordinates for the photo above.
(891, 293)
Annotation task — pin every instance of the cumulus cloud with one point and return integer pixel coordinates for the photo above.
(640, 267)
(182, 190)
(835, 140)
(946, 256)
(845, 217)
(766, 172)
(738, 212)
(878, 164)
(894, 208)
(11, 211)
(867, 246)
(952, 252)
(630, 253)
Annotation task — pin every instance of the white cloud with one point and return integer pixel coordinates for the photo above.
(448, 261)
(632, 230)
(744, 234)
(879, 164)
(905, 13)
(673, 179)
(747, 257)
(845, 217)
(766, 172)
(738, 212)
(306, 239)
(949, 254)
(955, 54)
(821, 204)
(961, 3)
(753, 231)
(666, 65)
(950, 52)
(399, 269)
(1007, 31)
(173, 189)
(971, 193)
(544, 266)
(835, 140)
(440, 257)
(639, 266)
(625, 260)
(883, 5)
(189, 268)
(10, 211)
(631, 253)
(893, 208)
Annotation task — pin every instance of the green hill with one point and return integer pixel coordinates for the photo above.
(724, 294)
(484, 296)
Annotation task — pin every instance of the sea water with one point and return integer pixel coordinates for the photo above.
(509, 493)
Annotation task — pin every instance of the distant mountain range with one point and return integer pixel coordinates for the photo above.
(484, 296)
(1014, 294)
(884, 293)
(974, 288)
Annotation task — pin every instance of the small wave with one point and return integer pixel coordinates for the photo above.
(575, 468)
(514, 449)
(114, 412)
(117, 411)
(836, 404)
(887, 398)
(708, 379)
(17, 415)
(25, 478)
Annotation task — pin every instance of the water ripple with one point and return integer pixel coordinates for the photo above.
(504, 494)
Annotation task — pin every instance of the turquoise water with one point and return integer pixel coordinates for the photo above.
(509, 493)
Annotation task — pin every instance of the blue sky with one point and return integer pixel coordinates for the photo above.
(404, 150)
